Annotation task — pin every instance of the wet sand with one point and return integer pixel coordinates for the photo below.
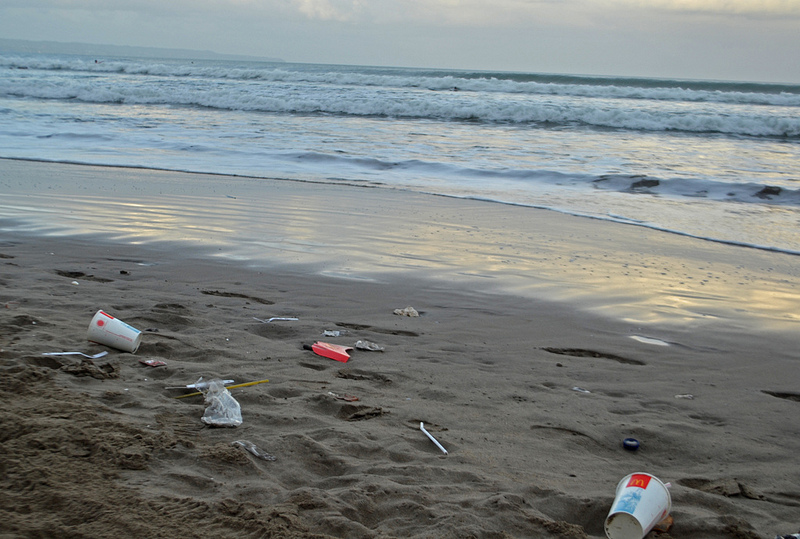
(688, 347)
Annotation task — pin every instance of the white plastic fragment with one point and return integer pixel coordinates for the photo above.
(254, 449)
(649, 340)
(368, 345)
(274, 318)
(95, 356)
(199, 385)
(434, 440)
(408, 311)
(580, 390)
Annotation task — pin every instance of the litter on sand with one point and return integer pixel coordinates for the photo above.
(408, 311)
(153, 362)
(111, 331)
(631, 444)
(666, 524)
(331, 351)
(95, 356)
(641, 501)
(222, 409)
(246, 384)
(367, 345)
(254, 449)
(199, 384)
(345, 397)
(434, 440)
(275, 319)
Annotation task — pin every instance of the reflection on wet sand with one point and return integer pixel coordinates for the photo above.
(641, 275)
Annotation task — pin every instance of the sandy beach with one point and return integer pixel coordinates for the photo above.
(543, 341)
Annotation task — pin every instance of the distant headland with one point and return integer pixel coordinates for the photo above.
(90, 49)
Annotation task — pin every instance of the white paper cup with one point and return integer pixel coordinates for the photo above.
(105, 329)
(641, 502)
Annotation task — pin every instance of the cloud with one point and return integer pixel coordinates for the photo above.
(458, 13)
(454, 12)
(439, 12)
(758, 8)
(329, 10)
(519, 13)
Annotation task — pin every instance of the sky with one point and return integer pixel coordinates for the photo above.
(747, 40)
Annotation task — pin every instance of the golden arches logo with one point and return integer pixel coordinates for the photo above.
(639, 480)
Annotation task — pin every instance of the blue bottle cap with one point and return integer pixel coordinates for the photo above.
(631, 444)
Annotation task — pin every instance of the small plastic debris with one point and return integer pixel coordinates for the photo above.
(153, 362)
(237, 386)
(222, 410)
(580, 390)
(345, 397)
(331, 351)
(275, 318)
(367, 345)
(254, 449)
(429, 435)
(95, 356)
(664, 525)
(649, 340)
(408, 311)
(790, 536)
(76, 283)
(333, 333)
(686, 396)
(199, 384)
(631, 444)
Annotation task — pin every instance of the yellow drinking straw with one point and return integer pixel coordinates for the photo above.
(226, 387)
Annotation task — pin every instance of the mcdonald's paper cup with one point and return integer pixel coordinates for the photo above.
(105, 329)
(641, 502)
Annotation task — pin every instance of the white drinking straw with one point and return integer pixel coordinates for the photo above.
(422, 428)
(287, 319)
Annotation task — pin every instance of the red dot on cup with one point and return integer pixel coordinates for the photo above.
(101, 323)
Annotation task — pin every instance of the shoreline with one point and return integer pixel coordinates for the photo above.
(365, 184)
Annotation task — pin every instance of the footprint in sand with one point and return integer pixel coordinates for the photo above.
(363, 327)
(223, 294)
(723, 487)
(357, 374)
(579, 352)
(783, 395)
(81, 275)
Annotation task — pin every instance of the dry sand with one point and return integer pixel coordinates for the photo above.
(518, 307)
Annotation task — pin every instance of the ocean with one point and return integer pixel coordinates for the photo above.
(715, 160)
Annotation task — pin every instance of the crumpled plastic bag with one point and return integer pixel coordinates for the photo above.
(368, 345)
(408, 311)
(222, 409)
